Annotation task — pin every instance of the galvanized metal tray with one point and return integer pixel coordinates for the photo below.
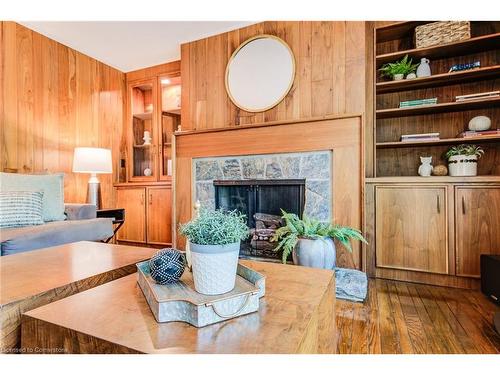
(180, 301)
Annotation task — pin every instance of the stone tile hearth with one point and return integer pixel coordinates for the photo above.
(315, 167)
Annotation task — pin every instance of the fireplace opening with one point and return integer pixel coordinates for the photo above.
(261, 202)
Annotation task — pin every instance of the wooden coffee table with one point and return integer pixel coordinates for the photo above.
(297, 315)
(35, 278)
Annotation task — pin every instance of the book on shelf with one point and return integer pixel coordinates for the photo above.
(419, 137)
(484, 133)
(479, 95)
(418, 102)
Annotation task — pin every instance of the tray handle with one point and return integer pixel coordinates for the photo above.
(212, 304)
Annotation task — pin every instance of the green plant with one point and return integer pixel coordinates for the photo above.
(463, 149)
(216, 227)
(295, 228)
(403, 66)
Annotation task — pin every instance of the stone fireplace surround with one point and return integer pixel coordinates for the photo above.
(315, 167)
(340, 135)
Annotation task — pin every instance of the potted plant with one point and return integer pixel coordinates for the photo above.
(214, 240)
(462, 159)
(311, 242)
(399, 69)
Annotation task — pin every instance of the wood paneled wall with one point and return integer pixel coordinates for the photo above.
(331, 68)
(54, 99)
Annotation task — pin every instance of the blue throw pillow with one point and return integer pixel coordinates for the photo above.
(52, 186)
(20, 208)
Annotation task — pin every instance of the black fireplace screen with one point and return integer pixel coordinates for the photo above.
(261, 199)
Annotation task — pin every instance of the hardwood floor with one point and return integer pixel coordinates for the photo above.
(400, 317)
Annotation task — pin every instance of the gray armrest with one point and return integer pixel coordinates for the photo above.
(80, 211)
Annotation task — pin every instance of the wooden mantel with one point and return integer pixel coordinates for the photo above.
(342, 134)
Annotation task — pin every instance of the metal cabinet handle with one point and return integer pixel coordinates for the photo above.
(438, 204)
(463, 206)
(142, 199)
(150, 198)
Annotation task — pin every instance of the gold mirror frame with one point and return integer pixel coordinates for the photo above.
(260, 36)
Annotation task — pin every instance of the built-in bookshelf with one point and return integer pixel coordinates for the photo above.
(447, 117)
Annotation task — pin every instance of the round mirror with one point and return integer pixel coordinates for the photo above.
(260, 73)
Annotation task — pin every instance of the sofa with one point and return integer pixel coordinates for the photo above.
(81, 224)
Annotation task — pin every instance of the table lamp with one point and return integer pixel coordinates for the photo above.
(92, 160)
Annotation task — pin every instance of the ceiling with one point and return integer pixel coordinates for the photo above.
(128, 46)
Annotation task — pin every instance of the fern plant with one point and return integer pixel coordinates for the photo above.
(216, 227)
(403, 66)
(294, 229)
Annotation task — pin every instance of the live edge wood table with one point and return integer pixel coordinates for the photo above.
(35, 278)
(297, 315)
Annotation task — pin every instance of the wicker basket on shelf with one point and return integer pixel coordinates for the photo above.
(441, 32)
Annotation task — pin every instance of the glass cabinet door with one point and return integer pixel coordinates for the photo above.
(170, 120)
(143, 135)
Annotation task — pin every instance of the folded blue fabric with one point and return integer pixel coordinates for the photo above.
(351, 285)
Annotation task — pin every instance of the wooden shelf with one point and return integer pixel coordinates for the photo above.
(439, 80)
(397, 30)
(465, 47)
(175, 111)
(437, 108)
(143, 116)
(433, 179)
(142, 146)
(439, 142)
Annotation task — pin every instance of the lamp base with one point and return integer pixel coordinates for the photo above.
(94, 192)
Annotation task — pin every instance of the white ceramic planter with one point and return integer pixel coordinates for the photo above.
(462, 165)
(398, 77)
(214, 267)
(318, 253)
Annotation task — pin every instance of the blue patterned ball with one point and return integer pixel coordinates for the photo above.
(167, 266)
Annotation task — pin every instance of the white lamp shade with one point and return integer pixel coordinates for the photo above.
(92, 160)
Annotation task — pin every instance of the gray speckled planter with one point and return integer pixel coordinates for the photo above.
(320, 253)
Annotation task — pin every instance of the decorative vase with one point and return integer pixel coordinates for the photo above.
(462, 165)
(398, 77)
(424, 69)
(147, 172)
(479, 123)
(425, 168)
(167, 266)
(316, 253)
(214, 267)
(147, 138)
(411, 76)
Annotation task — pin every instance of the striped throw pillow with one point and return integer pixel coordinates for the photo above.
(21, 208)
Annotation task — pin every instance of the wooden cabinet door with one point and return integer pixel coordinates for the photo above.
(411, 228)
(477, 211)
(159, 215)
(133, 201)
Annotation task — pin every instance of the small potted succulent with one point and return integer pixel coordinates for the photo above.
(462, 159)
(311, 242)
(214, 241)
(398, 70)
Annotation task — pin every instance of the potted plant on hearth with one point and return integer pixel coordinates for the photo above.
(214, 240)
(399, 69)
(462, 159)
(311, 242)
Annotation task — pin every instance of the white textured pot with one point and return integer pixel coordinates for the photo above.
(462, 165)
(398, 77)
(319, 253)
(214, 267)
